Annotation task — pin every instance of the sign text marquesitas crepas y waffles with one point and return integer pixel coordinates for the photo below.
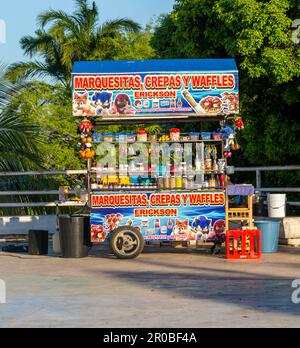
(158, 200)
(164, 216)
(135, 82)
(155, 88)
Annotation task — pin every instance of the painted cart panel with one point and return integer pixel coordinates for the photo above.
(150, 88)
(162, 216)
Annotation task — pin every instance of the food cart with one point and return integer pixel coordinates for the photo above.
(166, 186)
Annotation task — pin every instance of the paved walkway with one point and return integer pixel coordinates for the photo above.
(162, 288)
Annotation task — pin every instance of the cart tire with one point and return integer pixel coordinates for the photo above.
(126, 242)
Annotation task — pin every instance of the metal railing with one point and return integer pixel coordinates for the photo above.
(257, 170)
(40, 193)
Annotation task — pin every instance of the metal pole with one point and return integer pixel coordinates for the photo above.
(89, 168)
(258, 178)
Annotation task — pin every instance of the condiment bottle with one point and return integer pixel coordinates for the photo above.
(178, 182)
(172, 182)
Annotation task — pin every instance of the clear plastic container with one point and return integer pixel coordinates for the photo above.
(194, 136)
(175, 134)
(97, 137)
(206, 136)
(108, 137)
(122, 137)
(131, 137)
(142, 135)
(217, 136)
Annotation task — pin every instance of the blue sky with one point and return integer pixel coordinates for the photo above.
(20, 17)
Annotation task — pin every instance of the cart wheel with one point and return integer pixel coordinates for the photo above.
(126, 242)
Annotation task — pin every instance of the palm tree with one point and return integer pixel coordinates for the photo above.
(64, 38)
(18, 145)
(49, 49)
(19, 149)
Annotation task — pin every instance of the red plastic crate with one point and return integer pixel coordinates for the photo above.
(243, 244)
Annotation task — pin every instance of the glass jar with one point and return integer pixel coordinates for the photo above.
(172, 182)
(208, 164)
(212, 182)
(215, 166)
(160, 182)
(166, 182)
(190, 182)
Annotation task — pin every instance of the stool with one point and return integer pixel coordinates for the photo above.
(240, 214)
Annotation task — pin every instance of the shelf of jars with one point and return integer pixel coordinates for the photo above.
(108, 179)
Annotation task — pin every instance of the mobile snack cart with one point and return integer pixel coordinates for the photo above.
(145, 186)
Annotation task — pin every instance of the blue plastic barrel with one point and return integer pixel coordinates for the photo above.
(269, 235)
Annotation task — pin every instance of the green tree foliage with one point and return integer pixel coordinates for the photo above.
(20, 141)
(49, 107)
(258, 35)
(16, 131)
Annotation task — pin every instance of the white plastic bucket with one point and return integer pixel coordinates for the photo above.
(276, 205)
(56, 243)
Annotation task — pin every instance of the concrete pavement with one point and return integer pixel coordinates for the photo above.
(162, 288)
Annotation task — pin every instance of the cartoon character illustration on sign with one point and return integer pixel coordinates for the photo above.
(182, 227)
(82, 106)
(202, 226)
(138, 104)
(219, 230)
(122, 105)
(218, 236)
(102, 102)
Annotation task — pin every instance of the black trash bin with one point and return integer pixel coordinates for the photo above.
(74, 235)
(37, 242)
